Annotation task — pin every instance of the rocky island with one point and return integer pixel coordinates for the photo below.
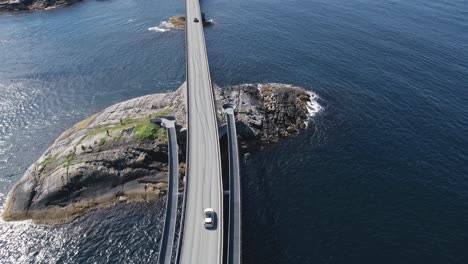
(21, 5)
(179, 21)
(118, 155)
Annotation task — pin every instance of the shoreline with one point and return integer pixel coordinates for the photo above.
(22, 5)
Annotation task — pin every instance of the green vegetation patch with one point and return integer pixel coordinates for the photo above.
(49, 159)
(125, 124)
(69, 159)
(161, 135)
(149, 131)
(102, 141)
(143, 129)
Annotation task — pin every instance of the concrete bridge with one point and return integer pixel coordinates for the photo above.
(203, 179)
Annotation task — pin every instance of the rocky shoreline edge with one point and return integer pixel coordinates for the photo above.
(23, 5)
(118, 155)
(177, 22)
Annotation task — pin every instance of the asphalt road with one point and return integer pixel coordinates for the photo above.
(204, 179)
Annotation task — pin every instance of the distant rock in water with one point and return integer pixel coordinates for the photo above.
(20, 5)
(177, 22)
(118, 155)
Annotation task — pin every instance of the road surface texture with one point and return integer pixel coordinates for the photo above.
(204, 178)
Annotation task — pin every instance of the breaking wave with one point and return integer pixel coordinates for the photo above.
(165, 26)
(313, 107)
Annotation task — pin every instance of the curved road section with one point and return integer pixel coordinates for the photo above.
(234, 237)
(168, 235)
(204, 178)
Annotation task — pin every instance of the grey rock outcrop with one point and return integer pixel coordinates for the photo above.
(118, 155)
(20, 5)
(265, 113)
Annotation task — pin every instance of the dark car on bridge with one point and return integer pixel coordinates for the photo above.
(196, 20)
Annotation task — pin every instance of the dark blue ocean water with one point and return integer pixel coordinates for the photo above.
(380, 176)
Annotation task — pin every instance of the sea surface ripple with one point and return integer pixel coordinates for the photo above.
(379, 176)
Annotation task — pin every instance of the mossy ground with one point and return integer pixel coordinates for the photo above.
(148, 131)
(142, 129)
(49, 159)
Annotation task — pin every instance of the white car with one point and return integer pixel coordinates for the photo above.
(210, 219)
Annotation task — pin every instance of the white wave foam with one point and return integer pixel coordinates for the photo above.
(313, 107)
(157, 29)
(165, 26)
